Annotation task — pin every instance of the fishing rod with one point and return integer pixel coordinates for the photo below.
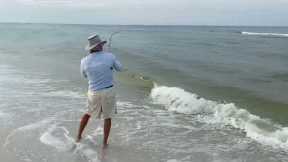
(115, 33)
(111, 38)
(110, 41)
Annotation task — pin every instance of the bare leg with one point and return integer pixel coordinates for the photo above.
(107, 127)
(83, 124)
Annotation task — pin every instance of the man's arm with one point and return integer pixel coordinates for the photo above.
(117, 66)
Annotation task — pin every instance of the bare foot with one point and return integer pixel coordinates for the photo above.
(105, 145)
(78, 139)
(104, 153)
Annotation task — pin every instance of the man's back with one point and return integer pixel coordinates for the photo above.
(98, 69)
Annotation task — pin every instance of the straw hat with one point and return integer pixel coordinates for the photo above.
(94, 41)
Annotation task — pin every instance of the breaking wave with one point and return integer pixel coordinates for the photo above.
(265, 34)
(262, 130)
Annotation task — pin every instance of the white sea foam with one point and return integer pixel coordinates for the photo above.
(265, 34)
(58, 137)
(173, 160)
(261, 130)
(2, 114)
(35, 125)
(91, 153)
(32, 126)
(127, 104)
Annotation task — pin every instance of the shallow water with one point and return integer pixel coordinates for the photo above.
(209, 103)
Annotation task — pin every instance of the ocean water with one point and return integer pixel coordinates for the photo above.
(190, 94)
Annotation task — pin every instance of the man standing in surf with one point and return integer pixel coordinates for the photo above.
(98, 68)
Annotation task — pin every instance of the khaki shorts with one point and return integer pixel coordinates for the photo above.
(102, 103)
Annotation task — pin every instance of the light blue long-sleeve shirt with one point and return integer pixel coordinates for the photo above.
(98, 69)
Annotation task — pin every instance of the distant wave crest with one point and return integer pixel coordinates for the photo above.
(180, 101)
(265, 34)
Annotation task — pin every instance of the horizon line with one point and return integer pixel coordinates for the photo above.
(54, 23)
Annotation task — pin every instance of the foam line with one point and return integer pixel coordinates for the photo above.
(262, 130)
(265, 34)
(26, 128)
(58, 137)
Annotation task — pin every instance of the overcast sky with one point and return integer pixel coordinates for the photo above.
(147, 12)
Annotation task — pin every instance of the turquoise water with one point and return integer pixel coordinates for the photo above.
(222, 87)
